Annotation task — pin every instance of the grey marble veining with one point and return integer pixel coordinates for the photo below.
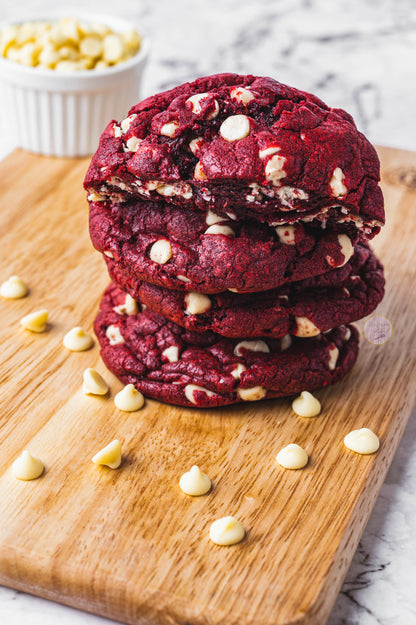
(356, 54)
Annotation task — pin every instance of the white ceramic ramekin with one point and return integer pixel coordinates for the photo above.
(63, 114)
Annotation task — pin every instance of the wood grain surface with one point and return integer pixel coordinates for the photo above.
(128, 544)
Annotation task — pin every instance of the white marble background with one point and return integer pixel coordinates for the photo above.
(356, 54)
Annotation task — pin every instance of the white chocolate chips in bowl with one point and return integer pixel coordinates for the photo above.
(85, 67)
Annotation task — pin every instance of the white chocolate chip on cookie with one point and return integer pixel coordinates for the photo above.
(306, 405)
(274, 169)
(128, 308)
(110, 455)
(333, 358)
(286, 234)
(77, 340)
(362, 441)
(336, 183)
(196, 303)
(129, 399)
(195, 101)
(212, 218)
(94, 383)
(14, 288)
(27, 467)
(35, 321)
(169, 129)
(255, 393)
(114, 335)
(238, 370)
(292, 456)
(161, 251)
(191, 388)
(219, 229)
(305, 327)
(252, 346)
(272, 149)
(242, 95)
(171, 353)
(235, 127)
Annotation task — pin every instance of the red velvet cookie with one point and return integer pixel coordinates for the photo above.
(241, 145)
(303, 308)
(179, 366)
(170, 246)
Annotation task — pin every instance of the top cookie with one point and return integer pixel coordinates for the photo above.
(244, 145)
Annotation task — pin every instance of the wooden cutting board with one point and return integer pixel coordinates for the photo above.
(128, 544)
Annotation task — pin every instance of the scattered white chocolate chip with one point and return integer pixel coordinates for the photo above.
(347, 334)
(36, 321)
(128, 308)
(199, 173)
(77, 340)
(241, 94)
(238, 370)
(133, 143)
(333, 358)
(194, 482)
(108, 254)
(362, 441)
(161, 251)
(117, 130)
(126, 123)
(196, 303)
(94, 383)
(212, 218)
(286, 234)
(110, 455)
(14, 288)
(255, 393)
(196, 144)
(347, 248)
(252, 346)
(306, 405)
(292, 456)
(129, 399)
(274, 169)
(27, 467)
(219, 229)
(336, 183)
(171, 353)
(191, 388)
(305, 327)
(285, 342)
(114, 335)
(195, 101)
(183, 278)
(169, 129)
(235, 127)
(272, 149)
(226, 531)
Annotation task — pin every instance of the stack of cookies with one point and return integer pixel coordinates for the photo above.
(233, 214)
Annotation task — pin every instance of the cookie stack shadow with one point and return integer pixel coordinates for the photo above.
(233, 214)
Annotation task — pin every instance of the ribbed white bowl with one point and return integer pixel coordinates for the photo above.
(63, 114)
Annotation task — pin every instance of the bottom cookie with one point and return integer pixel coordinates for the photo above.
(182, 367)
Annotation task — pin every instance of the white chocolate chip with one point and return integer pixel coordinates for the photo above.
(255, 393)
(347, 334)
(108, 254)
(14, 288)
(95, 197)
(212, 218)
(238, 370)
(336, 183)
(235, 127)
(252, 346)
(286, 234)
(272, 149)
(347, 248)
(195, 101)
(161, 251)
(183, 278)
(285, 342)
(171, 353)
(199, 173)
(306, 405)
(94, 383)
(226, 531)
(194, 482)
(196, 144)
(333, 358)
(117, 130)
(114, 335)
(218, 229)
(305, 327)
(292, 456)
(362, 441)
(36, 321)
(77, 340)
(169, 129)
(129, 399)
(242, 95)
(274, 169)
(133, 143)
(110, 455)
(232, 290)
(27, 467)
(126, 123)
(128, 308)
(196, 303)
(189, 392)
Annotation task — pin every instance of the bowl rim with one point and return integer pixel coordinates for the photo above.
(119, 24)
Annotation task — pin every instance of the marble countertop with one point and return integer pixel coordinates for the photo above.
(355, 54)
